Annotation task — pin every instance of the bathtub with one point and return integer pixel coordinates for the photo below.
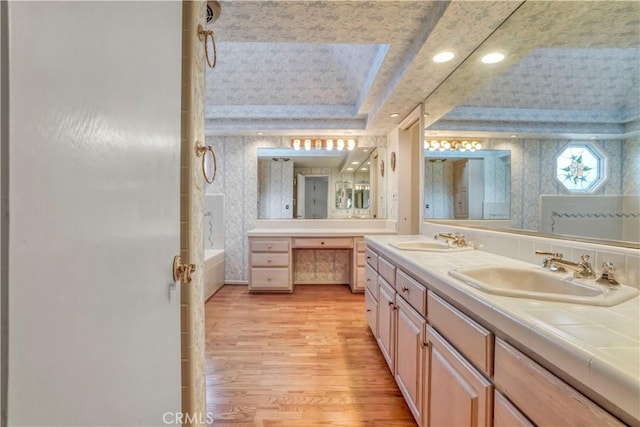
(213, 271)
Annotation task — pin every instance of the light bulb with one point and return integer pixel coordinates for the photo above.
(351, 144)
(329, 144)
(307, 144)
(340, 144)
(296, 144)
(318, 144)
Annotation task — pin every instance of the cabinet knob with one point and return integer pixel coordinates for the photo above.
(390, 302)
(322, 243)
(368, 257)
(405, 289)
(268, 246)
(368, 310)
(368, 280)
(269, 279)
(269, 261)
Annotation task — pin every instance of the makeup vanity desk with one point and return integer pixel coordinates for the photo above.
(280, 258)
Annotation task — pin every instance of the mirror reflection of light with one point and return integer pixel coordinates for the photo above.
(340, 144)
(296, 144)
(329, 144)
(444, 57)
(351, 144)
(492, 58)
(307, 144)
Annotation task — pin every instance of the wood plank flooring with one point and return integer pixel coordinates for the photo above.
(303, 359)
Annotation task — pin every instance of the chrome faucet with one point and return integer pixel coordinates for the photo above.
(607, 275)
(582, 269)
(456, 239)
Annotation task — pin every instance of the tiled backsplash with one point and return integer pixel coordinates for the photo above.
(523, 247)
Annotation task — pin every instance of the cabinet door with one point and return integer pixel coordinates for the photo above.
(371, 311)
(409, 347)
(458, 394)
(386, 322)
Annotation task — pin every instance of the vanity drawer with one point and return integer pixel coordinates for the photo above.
(471, 339)
(270, 278)
(412, 292)
(270, 260)
(269, 245)
(387, 270)
(323, 242)
(540, 395)
(360, 259)
(372, 258)
(371, 280)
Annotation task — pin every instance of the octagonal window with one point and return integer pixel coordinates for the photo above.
(580, 168)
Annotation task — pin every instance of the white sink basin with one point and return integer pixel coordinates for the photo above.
(535, 283)
(428, 246)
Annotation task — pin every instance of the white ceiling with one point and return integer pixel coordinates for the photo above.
(330, 67)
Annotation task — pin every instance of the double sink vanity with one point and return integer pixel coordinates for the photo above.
(474, 338)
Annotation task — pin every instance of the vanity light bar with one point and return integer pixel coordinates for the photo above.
(323, 144)
(455, 145)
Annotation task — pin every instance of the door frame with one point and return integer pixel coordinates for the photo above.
(4, 209)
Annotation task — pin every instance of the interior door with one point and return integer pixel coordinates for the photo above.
(301, 191)
(94, 110)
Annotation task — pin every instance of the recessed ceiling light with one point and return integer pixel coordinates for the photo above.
(349, 169)
(260, 133)
(444, 56)
(365, 150)
(492, 58)
(355, 163)
(394, 115)
(514, 136)
(592, 137)
(363, 169)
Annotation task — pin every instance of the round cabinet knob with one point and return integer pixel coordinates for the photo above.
(269, 279)
(390, 302)
(268, 246)
(269, 261)
(322, 243)
(404, 289)
(368, 310)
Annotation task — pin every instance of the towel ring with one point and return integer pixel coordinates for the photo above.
(203, 35)
(201, 150)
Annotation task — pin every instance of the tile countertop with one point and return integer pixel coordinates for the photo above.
(313, 232)
(596, 349)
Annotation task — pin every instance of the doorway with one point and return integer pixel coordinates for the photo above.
(316, 192)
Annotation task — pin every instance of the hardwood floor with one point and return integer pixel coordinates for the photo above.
(303, 359)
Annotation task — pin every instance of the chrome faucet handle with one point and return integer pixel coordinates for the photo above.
(607, 278)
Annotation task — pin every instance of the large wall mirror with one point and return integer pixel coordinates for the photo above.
(315, 184)
(570, 75)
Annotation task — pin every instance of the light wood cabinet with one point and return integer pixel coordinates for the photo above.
(270, 269)
(357, 269)
(467, 336)
(458, 394)
(544, 398)
(505, 414)
(410, 327)
(444, 362)
(386, 322)
(371, 311)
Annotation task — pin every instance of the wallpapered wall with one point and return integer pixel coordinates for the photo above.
(237, 179)
(533, 172)
(439, 188)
